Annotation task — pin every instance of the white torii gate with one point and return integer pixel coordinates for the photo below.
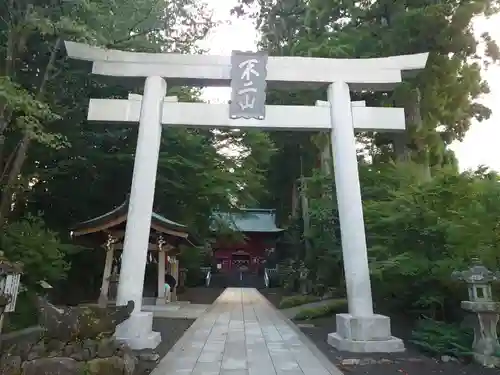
(360, 330)
(216, 115)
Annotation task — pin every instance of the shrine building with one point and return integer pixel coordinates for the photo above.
(165, 239)
(244, 239)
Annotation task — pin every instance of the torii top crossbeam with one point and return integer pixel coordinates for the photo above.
(205, 70)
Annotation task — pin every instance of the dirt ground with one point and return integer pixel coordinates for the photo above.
(201, 295)
(273, 295)
(411, 362)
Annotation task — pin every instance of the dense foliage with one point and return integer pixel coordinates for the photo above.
(336, 306)
(418, 233)
(56, 169)
(438, 338)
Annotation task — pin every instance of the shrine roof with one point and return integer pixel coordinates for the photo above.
(249, 220)
(118, 216)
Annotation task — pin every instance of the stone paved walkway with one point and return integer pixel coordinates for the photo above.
(243, 334)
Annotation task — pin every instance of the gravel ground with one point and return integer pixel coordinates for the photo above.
(201, 295)
(171, 330)
(411, 362)
(273, 295)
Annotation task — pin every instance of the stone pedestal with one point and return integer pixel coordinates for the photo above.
(485, 345)
(137, 331)
(479, 279)
(370, 334)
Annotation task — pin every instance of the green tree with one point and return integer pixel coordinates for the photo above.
(193, 174)
(440, 102)
(44, 258)
(38, 82)
(424, 231)
(39, 250)
(418, 233)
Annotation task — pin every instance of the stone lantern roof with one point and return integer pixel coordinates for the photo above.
(477, 274)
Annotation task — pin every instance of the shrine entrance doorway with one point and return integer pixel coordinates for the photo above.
(240, 261)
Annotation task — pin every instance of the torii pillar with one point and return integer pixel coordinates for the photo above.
(137, 330)
(360, 330)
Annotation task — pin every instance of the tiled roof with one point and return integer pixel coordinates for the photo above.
(248, 220)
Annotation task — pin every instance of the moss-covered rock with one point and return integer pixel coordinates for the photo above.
(81, 322)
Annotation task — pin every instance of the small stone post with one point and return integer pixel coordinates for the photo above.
(479, 280)
(161, 271)
(108, 267)
(113, 283)
(303, 279)
(174, 269)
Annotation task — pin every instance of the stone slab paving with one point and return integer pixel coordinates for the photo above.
(243, 334)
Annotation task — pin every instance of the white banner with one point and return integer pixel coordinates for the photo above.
(11, 289)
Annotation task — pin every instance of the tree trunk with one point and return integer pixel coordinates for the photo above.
(8, 193)
(401, 150)
(10, 53)
(326, 157)
(295, 200)
(3, 126)
(304, 204)
(401, 141)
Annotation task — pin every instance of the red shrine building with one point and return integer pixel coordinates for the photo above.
(250, 235)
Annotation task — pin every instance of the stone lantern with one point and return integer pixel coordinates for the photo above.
(10, 277)
(479, 279)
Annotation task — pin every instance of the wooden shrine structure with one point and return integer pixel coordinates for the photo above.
(259, 235)
(166, 236)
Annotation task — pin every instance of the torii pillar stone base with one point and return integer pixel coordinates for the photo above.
(365, 334)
